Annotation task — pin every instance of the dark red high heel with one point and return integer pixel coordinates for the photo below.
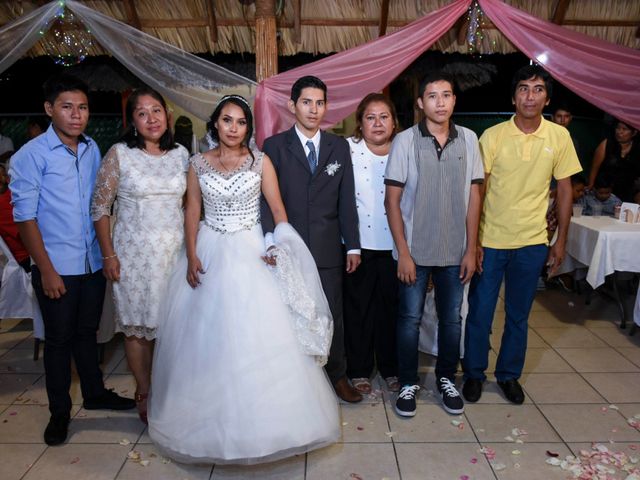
(142, 412)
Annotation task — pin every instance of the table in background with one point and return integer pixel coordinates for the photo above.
(604, 246)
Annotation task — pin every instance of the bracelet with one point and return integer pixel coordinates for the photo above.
(110, 256)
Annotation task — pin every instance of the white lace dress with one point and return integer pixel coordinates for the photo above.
(231, 380)
(148, 231)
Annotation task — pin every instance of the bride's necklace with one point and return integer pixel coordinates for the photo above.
(161, 152)
(236, 164)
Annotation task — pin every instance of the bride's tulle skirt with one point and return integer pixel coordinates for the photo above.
(230, 383)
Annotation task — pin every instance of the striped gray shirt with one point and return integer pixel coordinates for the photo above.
(436, 184)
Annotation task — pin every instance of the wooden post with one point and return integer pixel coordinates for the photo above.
(266, 41)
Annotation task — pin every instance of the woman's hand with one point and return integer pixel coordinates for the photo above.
(111, 268)
(194, 268)
(270, 258)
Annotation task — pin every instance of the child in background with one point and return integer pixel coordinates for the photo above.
(578, 185)
(601, 197)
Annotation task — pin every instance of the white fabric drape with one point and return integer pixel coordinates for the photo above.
(187, 80)
(17, 37)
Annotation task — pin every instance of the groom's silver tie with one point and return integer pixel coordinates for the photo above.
(312, 158)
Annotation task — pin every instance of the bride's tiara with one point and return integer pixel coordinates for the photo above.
(236, 97)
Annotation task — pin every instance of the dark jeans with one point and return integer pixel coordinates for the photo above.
(448, 299)
(331, 279)
(70, 325)
(520, 268)
(370, 310)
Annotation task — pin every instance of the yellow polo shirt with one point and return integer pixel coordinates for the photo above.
(520, 167)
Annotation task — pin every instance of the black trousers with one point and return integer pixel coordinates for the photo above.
(331, 279)
(370, 306)
(70, 326)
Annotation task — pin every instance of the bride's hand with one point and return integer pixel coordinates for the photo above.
(194, 268)
(271, 256)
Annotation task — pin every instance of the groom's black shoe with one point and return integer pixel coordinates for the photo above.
(346, 392)
(109, 400)
(512, 391)
(56, 431)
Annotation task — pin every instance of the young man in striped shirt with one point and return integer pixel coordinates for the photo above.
(432, 200)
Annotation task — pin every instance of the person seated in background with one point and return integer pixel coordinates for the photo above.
(601, 199)
(618, 156)
(8, 228)
(578, 185)
(36, 126)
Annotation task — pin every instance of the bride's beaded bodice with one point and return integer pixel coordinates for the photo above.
(231, 200)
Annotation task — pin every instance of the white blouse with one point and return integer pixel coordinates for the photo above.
(368, 173)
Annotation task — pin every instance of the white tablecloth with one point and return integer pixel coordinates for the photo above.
(603, 245)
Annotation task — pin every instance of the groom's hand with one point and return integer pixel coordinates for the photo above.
(353, 260)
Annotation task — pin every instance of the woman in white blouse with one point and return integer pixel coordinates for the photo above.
(146, 173)
(370, 293)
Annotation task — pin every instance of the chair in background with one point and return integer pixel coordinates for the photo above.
(17, 298)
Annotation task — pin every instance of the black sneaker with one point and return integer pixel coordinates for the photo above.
(472, 390)
(56, 431)
(512, 391)
(406, 402)
(451, 399)
(109, 400)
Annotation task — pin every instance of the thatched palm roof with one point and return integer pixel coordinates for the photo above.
(326, 26)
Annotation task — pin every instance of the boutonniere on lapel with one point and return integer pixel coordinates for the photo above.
(332, 168)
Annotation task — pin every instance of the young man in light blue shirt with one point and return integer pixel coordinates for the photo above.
(52, 179)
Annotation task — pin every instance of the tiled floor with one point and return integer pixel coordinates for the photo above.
(582, 383)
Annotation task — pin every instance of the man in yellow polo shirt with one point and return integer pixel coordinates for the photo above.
(520, 156)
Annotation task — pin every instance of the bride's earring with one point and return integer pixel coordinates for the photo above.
(135, 132)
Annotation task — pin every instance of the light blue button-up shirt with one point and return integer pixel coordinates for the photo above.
(53, 185)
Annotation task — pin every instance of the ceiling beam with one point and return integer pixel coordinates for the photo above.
(384, 18)
(559, 11)
(132, 14)
(211, 18)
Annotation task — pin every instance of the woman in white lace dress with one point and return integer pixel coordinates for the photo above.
(146, 175)
(237, 374)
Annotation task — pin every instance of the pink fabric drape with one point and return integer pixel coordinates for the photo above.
(605, 74)
(351, 74)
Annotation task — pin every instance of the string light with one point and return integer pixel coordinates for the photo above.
(477, 38)
(68, 41)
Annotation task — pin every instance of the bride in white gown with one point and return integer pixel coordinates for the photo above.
(237, 376)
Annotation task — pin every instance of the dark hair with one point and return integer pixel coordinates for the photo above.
(362, 106)
(561, 105)
(61, 83)
(532, 71)
(183, 132)
(578, 179)
(629, 126)
(436, 76)
(240, 102)
(603, 180)
(40, 121)
(308, 81)
(130, 135)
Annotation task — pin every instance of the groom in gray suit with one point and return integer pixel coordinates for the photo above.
(316, 183)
